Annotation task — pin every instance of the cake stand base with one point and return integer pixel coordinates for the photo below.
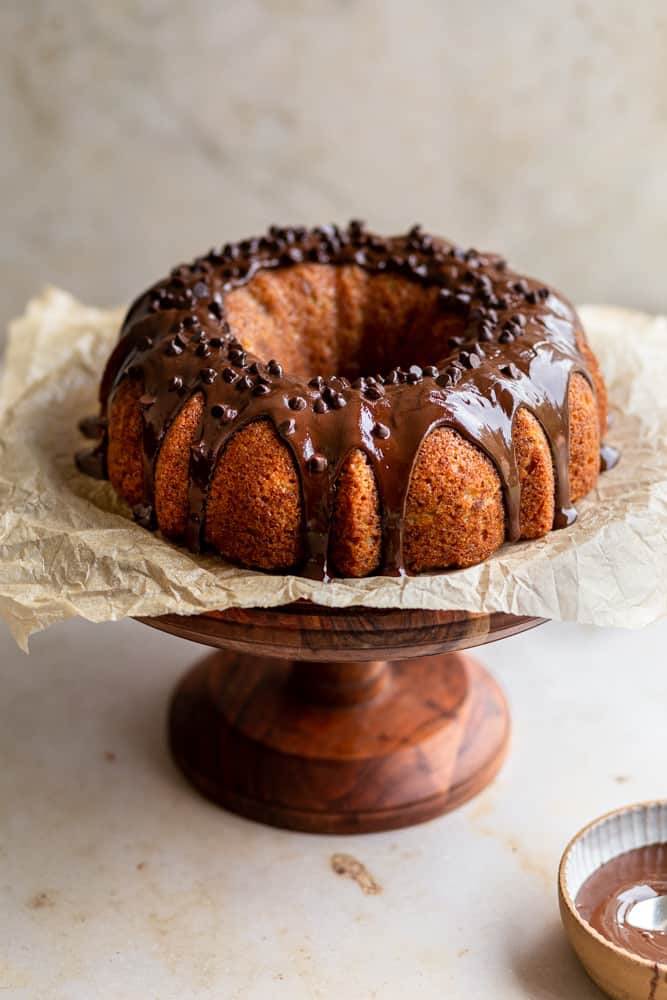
(339, 747)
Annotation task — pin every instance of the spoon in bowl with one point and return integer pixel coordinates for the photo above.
(649, 914)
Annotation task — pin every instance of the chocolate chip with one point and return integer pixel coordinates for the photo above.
(260, 389)
(506, 337)
(454, 342)
(532, 297)
(203, 351)
(359, 383)
(229, 375)
(275, 368)
(297, 403)
(374, 392)
(339, 402)
(520, 286)
(208, 375)
(217, 410)
(381, 431)
(215, 309)
(320, 406)
(317, 382)
(431, 371)
(245, 382)
(510, 370)
(174, 383)
(292, 256)
(200, 290)
(392, 378)
(143, 515)
(215, 343)
(318, 255)
(287, 427)
(469, 360)
(317, 464)
(173, 348)
(144, 343)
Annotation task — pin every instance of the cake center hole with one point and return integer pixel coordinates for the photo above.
(320, 319)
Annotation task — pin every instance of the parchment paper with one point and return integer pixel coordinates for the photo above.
(68, 546)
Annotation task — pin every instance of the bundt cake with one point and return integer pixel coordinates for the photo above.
(333, 402)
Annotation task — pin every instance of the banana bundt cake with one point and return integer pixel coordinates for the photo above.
(333, 402)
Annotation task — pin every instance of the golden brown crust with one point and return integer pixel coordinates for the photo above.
(584, 437)
(536, 475)
(351, 297)
(124, 454)
(454, 511)
(172, 469)
(253, 515)
(356, 541)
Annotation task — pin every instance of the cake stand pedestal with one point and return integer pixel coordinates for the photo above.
(339, 720)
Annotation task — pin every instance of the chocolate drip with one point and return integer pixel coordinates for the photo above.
(518, 349)
(609, 457)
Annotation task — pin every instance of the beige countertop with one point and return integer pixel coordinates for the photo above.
(117, 881)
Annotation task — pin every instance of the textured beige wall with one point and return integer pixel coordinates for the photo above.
(139, 132)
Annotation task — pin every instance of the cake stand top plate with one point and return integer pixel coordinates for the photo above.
(305, 631)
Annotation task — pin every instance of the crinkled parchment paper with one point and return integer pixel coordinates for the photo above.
(68, 546)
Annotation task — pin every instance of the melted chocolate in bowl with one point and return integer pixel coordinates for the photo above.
(608, 895)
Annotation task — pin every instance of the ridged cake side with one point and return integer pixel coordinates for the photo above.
(322, 318)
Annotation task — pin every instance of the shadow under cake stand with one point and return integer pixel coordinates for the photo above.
(339, 720)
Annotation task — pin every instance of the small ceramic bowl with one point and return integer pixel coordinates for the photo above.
(619, 973)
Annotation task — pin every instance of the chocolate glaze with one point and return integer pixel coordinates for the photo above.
(607, 896)
(519, 347)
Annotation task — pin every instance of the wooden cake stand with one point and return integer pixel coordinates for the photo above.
(339, 720)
